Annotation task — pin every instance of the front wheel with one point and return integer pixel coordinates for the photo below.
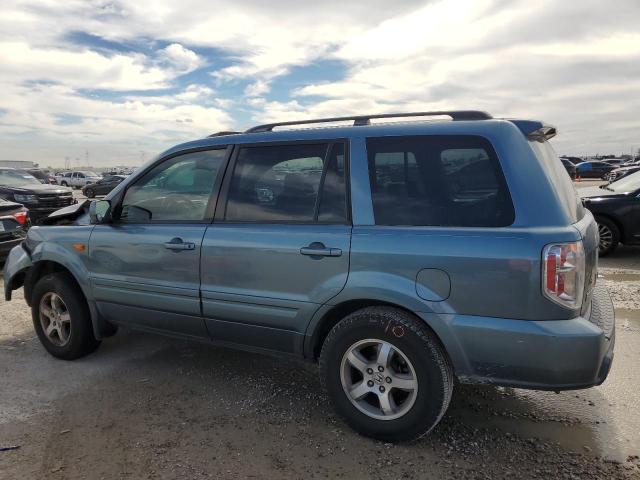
(609, 236)
(61, 317)
(386, 374)
(64, 184)
(89, 193)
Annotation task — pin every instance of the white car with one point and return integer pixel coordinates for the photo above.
(77, 179)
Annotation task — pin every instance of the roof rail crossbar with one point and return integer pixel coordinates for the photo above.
(359, 120)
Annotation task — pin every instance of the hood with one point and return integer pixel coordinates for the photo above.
(35, 188)
(593, 192)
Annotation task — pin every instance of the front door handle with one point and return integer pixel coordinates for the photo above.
(317, 249)
(178, 244)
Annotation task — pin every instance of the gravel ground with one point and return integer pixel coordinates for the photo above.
(147, 407)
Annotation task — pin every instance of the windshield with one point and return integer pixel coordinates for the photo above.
(90, 174)
(16, 178)
(630, 183)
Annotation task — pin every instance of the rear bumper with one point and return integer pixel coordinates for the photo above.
(540, 355)
(7, 245)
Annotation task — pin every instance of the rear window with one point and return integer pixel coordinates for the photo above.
(568, 195)
(437, 181)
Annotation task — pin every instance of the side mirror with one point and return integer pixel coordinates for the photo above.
(100, 212)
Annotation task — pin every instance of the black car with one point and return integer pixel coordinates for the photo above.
(617, 210)
(618, 173)
(41, 199)
(42, 175)
(593, 169)
(103, 186)
(14, 221)
(569, 167)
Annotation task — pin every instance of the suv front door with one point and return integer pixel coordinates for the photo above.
(279, 246)
(145, 264)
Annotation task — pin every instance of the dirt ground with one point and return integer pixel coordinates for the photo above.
(147, 407)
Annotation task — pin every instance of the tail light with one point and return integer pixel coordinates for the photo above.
(21, 217)
(563, 271)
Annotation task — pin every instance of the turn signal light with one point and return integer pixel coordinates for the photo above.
(21, 217)
(563, 270)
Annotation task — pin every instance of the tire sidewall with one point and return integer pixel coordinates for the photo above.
(81, 337)
(432, 391)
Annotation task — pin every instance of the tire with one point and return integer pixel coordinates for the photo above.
(419, 360)
(72, 336)
(64, 184)
(609, 234)
(89, 193)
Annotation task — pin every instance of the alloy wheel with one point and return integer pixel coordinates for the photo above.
(378, 379)
(606, 237)
(55, 319)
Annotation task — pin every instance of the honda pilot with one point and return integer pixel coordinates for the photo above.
(399, 256)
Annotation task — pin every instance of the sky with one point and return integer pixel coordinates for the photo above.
(117, 82)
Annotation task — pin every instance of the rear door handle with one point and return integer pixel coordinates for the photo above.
(179, 244)
(317, 249)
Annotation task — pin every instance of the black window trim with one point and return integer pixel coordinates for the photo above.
(493, 157)
(221, 205)
(213, 197)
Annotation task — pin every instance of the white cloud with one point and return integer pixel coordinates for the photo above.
(574, 64)
(181, 58)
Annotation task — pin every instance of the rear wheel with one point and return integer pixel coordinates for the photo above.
(609, 236)
(61, 317)
(64, 184)
(386, 374)
(89, 193)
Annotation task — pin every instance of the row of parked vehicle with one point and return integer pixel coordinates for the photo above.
(606, 170)
(27, 196)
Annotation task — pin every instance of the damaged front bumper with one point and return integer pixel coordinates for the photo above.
(15, 268)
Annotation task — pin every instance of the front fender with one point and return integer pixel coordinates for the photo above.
(16, 266)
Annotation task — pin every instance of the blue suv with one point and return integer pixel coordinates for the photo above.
(398, 256)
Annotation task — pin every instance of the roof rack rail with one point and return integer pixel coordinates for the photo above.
(359, 120)
(223, 133)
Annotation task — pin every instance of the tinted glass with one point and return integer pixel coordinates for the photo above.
(437, 181)
(178, 189)
(276, 183)
(333, 203)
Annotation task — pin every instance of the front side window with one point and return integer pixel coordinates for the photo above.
(437, 181)
(284, 183)
(177, 190)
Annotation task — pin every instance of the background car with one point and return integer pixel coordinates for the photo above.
(42, 175)
(569, 167)
(617, 210)
(618, 173)
(593, 169)
(102, 186)
(78, 179)
(41, 199)
(14, 221)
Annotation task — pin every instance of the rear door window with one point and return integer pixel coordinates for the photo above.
(437, 181)
(288, 183)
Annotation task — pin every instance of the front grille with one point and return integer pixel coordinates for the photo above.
(54, 200)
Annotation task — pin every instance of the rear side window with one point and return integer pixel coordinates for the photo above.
(288, 183)
(437, 181)
(568, 195)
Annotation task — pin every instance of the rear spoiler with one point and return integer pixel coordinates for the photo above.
(535, 130)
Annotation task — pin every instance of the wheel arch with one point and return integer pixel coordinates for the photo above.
(330, 315)
(42, 268)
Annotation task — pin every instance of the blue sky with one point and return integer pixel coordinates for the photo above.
(122, 80)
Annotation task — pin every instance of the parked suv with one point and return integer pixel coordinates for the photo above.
(399, 256)
(41, 199)
(78, 179)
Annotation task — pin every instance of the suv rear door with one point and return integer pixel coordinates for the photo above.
(279, 245)
(145, 266)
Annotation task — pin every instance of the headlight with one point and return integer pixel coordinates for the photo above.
(25, 198)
